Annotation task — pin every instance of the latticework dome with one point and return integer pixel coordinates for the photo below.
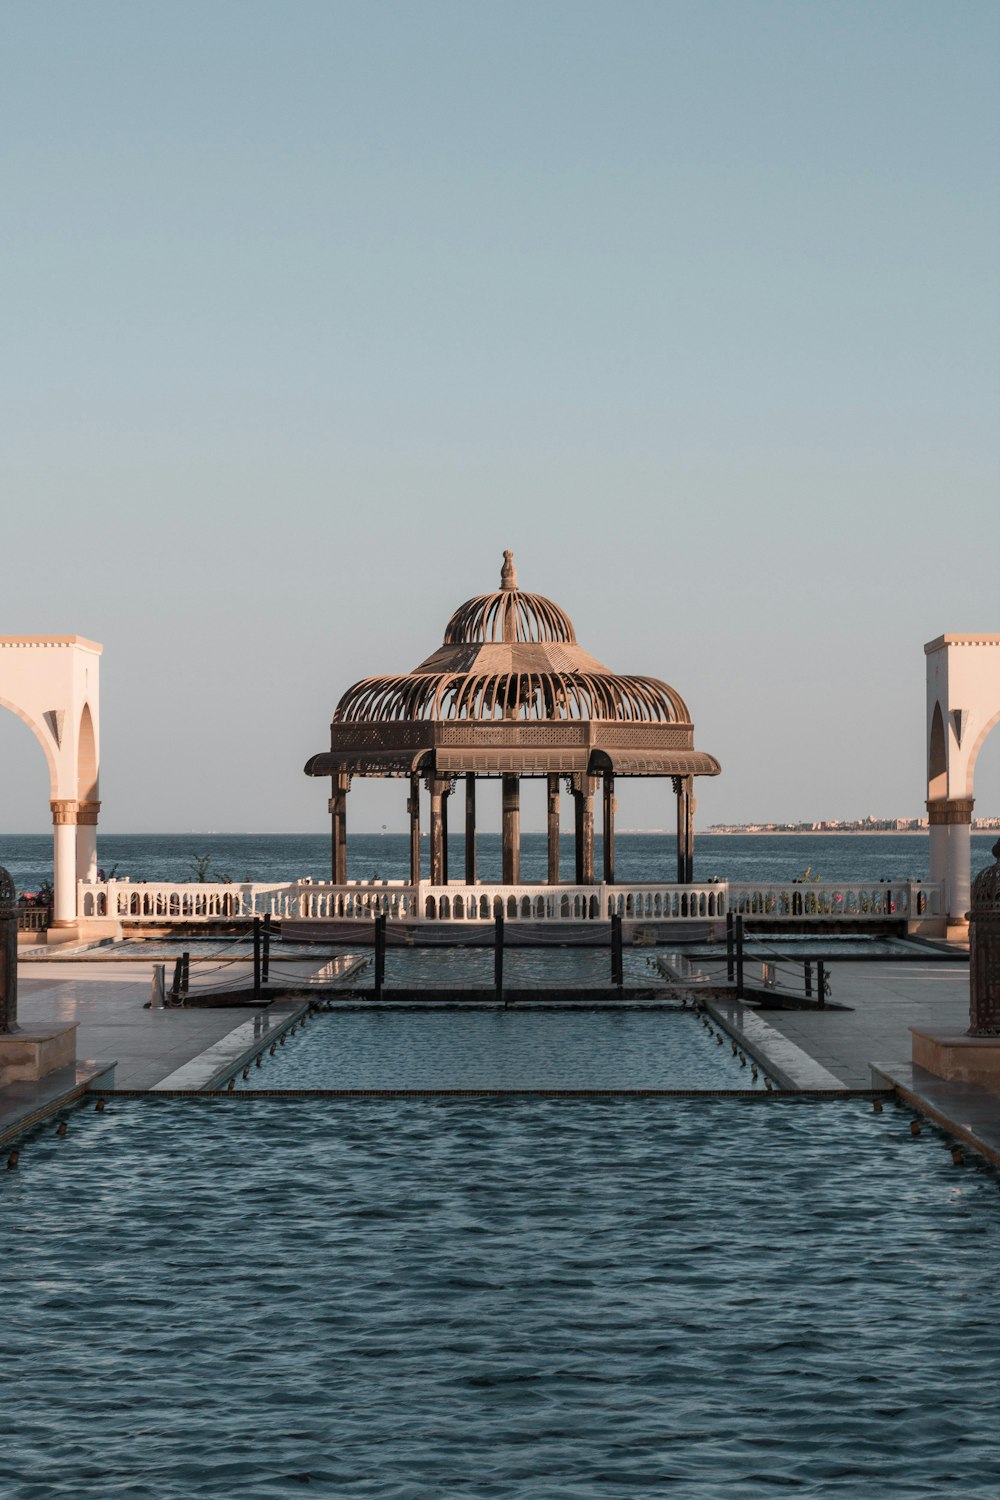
(511, 656)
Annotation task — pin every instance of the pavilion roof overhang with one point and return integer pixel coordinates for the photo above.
(498, 748)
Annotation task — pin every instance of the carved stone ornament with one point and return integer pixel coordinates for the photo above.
(984, 951)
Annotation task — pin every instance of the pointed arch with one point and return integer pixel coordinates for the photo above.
(43, 739)
(87, 766)
(978, 744)
(937, 757)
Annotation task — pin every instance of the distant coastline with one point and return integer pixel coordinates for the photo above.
(816, 833)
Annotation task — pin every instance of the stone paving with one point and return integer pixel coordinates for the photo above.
(107, 999)
(886, 1000)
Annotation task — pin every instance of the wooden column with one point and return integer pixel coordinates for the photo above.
(583, 808)
(436, 786)
(338, 828)
(609, 828)
(552, 783)
(413, 808)
(684, 792)
(444, 831)
(470, 828)
(511, 830)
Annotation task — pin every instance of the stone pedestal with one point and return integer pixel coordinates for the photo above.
(958, 1057)
(30, 1052)
(84, 930)
(973, 1056)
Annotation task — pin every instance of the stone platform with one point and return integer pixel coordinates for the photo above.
(957, 1057)
(32, 1051)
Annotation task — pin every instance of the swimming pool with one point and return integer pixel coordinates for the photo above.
(520, 1048)
(517, 1299)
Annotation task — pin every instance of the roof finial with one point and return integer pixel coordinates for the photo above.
(508, 573)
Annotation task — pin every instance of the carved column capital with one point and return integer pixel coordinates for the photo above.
(87, 813)
(949, 810)
(64, 810)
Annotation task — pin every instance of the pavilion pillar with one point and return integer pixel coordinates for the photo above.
(444, 831)
(413, 808)
(338, 827)
(437, 786)
(583, 809)
(684, 791)
(950, 826)
(552, 806)
(470, 828)
(86, 841)
(64, 815)
(511, 825)
(608, 826)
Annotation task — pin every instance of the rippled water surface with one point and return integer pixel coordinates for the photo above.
(502, 1049)
(519, 1299)
(179, 856)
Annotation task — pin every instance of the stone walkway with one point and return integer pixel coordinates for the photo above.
(886, 1000)
(107, 1000)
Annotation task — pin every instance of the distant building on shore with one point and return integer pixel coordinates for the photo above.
(835, 825)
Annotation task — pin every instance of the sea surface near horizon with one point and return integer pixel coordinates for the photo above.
(175, 857)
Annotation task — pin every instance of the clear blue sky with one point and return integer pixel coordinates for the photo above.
(310, 309)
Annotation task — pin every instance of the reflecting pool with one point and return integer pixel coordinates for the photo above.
(526, 1298)
(502, 1049)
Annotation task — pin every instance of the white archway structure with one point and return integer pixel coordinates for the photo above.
(963, 705)
(52, 682)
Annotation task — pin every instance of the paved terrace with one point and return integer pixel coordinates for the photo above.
(887, 999)
(106, 998)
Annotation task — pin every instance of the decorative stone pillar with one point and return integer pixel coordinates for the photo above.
(470, 828)
(583, 810)
(608, 827)
(86, 841)
(984, 951)
(511, 824)
(64, 813)
(338, 829)
(8, 953)
(950, 822)
(552, 812)
(413, 808)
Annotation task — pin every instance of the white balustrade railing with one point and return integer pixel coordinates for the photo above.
(821, 901)
(812, 901)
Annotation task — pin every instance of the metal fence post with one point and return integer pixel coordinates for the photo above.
(379, 954)
(498, 957)
(739, 958)
(617, 960)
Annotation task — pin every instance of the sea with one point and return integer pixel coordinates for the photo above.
(174, 857)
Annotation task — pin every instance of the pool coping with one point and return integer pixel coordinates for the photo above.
(25, 1104)
(792, 1068)
(236, 1050)
(970, 1113)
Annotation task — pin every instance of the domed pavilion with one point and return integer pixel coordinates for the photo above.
(511, 694)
